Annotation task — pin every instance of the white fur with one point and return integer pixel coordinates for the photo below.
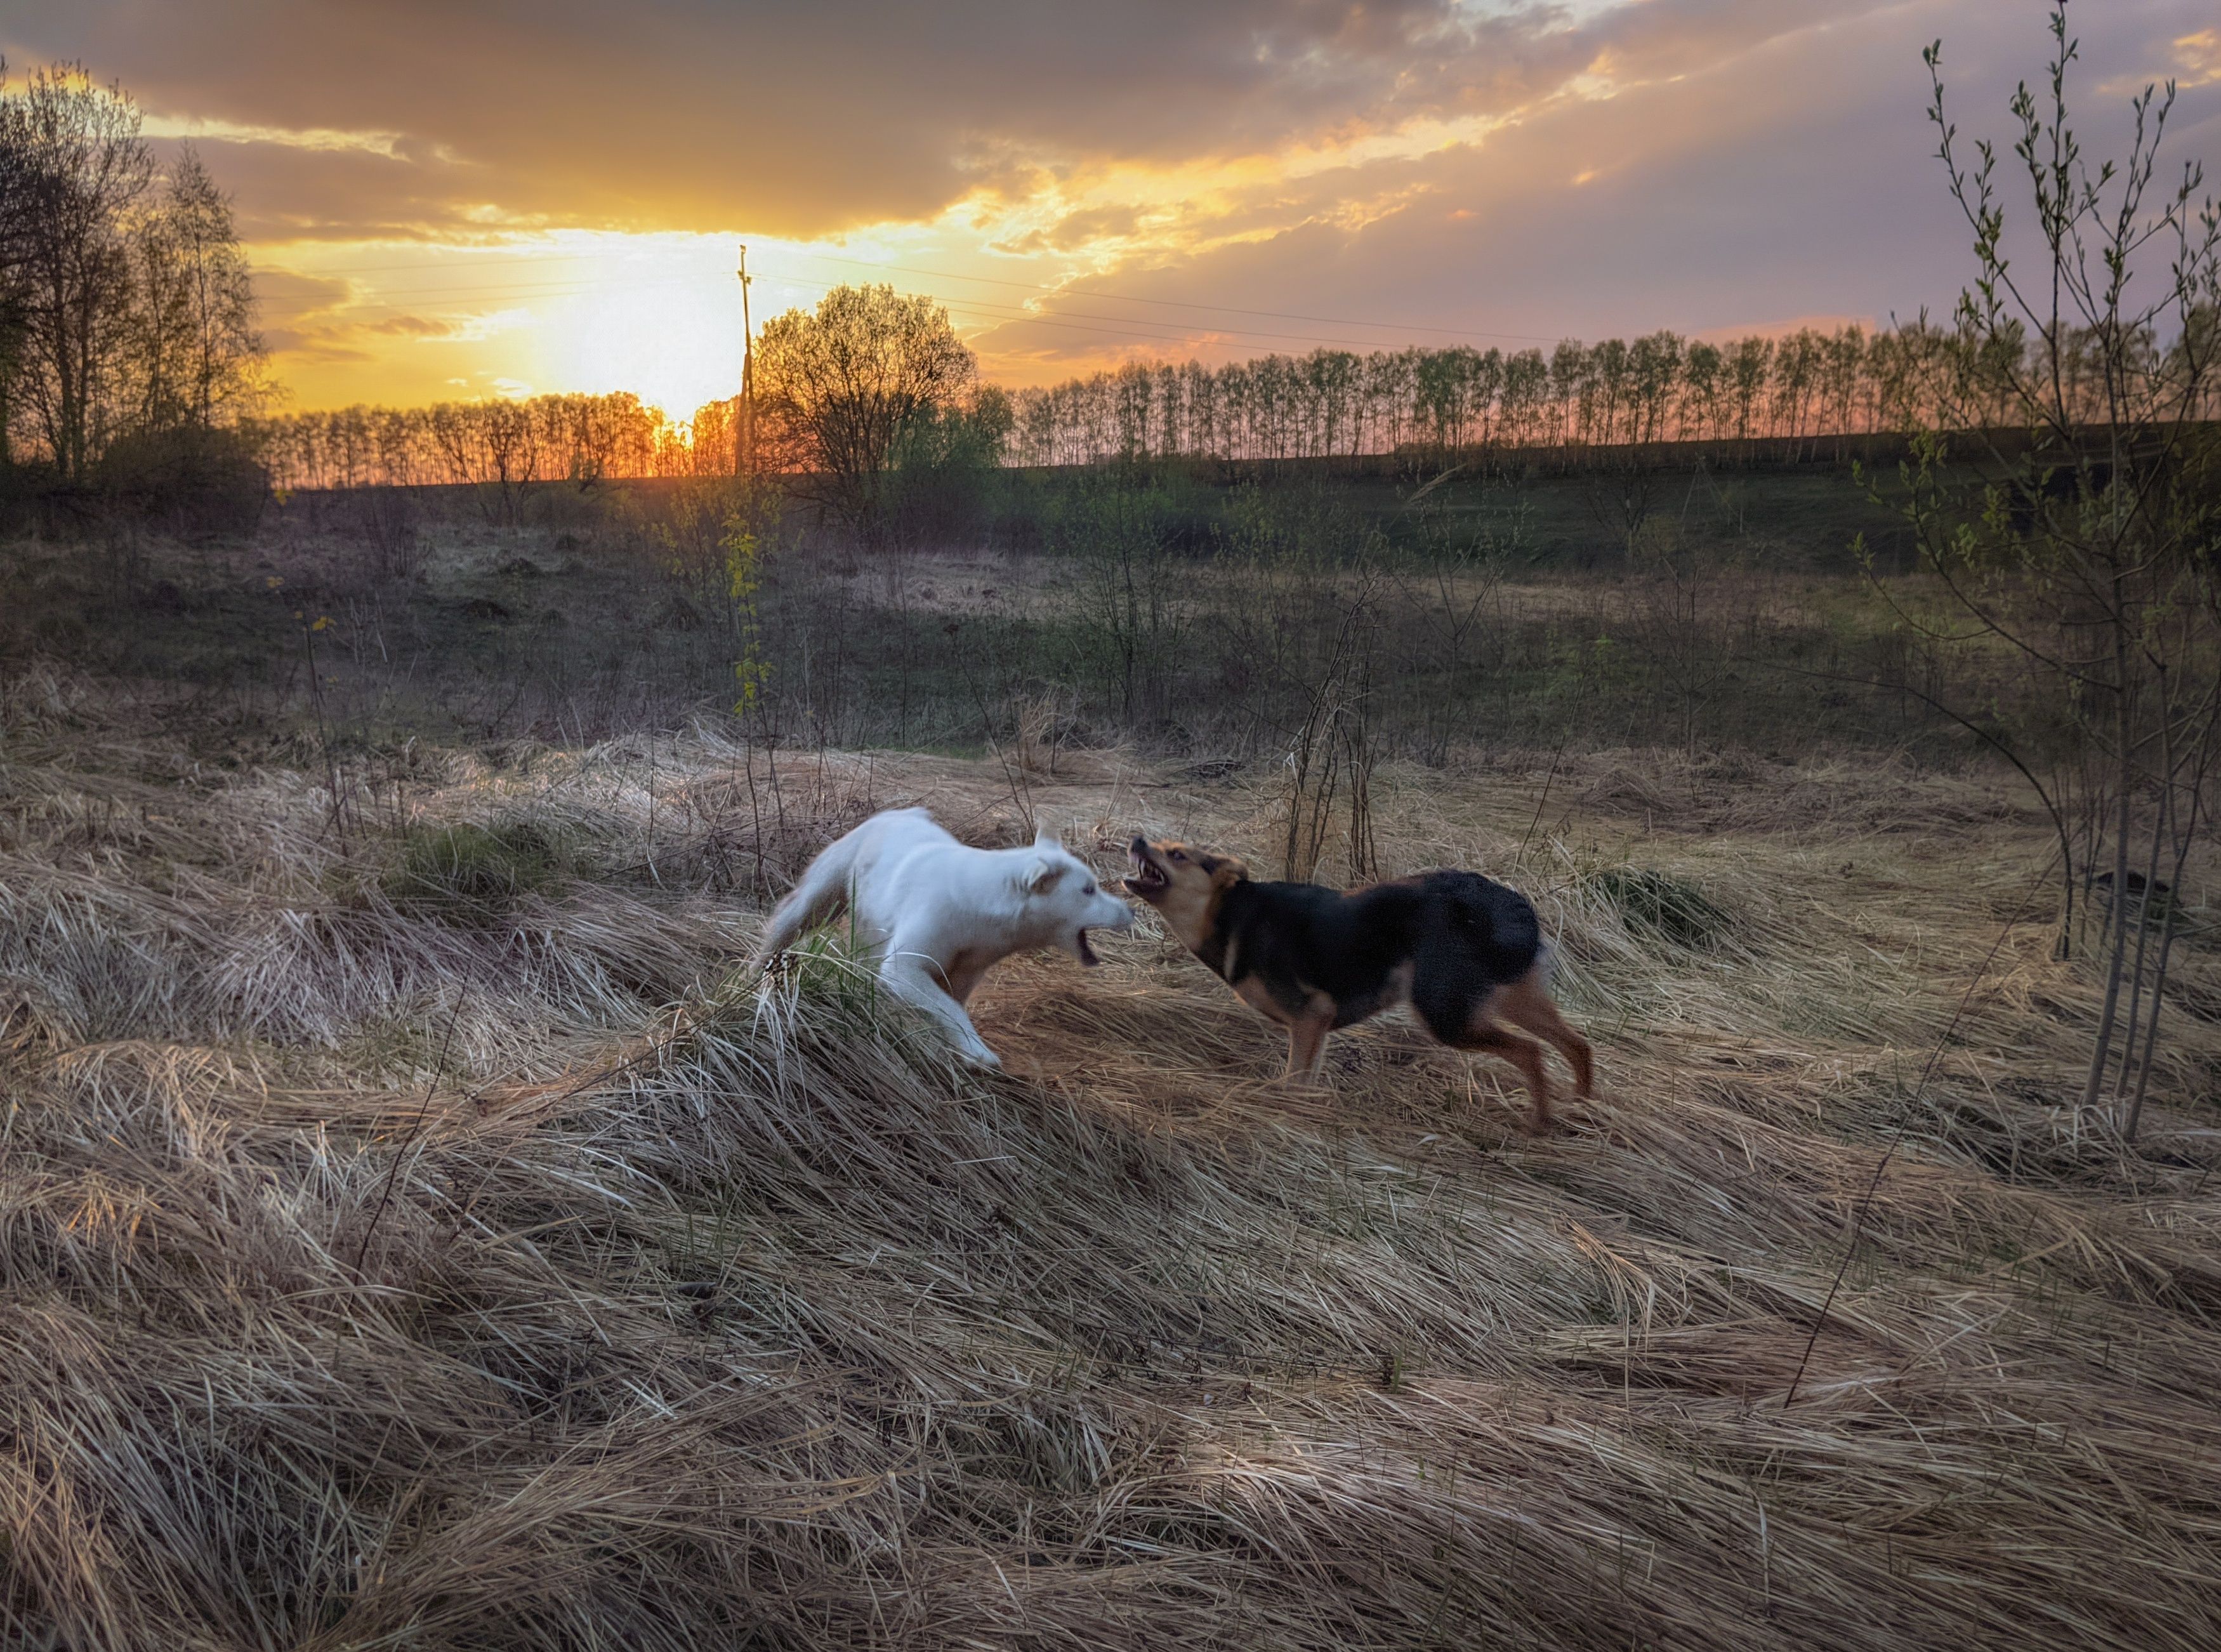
(938, 913)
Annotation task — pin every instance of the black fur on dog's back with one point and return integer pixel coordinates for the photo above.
(1464, 951)
(1461, 934)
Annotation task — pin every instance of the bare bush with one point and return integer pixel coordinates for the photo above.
(389, 526)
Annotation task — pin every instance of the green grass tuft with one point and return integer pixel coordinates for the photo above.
(1661, 904)
(471, 874)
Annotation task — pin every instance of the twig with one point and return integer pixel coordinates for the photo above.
(423, 1113)
(1021, 791)
(1547, 781)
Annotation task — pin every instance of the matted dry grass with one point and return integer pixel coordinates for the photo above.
(373, 1279)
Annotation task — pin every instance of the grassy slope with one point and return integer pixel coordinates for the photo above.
(1802, 518)
(574, 628)
(377, 1271)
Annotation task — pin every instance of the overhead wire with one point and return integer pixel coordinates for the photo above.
(1186, 303)
(986, 312)
(1061, 289)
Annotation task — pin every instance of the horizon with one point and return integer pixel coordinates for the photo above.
(1137, 184)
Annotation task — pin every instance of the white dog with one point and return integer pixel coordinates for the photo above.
(939, 913)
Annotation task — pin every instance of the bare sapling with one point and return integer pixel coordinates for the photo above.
(1331, 750)
(2063, 501)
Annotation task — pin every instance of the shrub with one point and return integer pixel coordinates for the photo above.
(473, 874)
(196, 483)
(1661, 904)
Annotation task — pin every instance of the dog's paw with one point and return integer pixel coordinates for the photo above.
(981, 1057)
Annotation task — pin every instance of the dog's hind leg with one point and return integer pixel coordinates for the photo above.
(1463, 1020)
(1307, 1046)
(820, 892)
(1486, 1038)
(910, 977)
(1526, 1003)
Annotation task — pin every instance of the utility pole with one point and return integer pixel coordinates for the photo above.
(744, 433)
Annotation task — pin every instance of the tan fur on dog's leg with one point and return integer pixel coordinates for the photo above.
(1307, 1047)
(1486, 1038)
(1527, 1004)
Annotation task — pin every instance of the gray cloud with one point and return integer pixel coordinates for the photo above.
(696, 114)
(1758, 183)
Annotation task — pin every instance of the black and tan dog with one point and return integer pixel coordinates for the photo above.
(1466, 952)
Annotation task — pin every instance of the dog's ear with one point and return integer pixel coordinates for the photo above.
(1046, 839)
(1225, 870)
(1043, 874)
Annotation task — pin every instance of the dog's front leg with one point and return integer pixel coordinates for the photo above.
(909, 976)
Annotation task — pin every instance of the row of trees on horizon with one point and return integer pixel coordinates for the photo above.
(507, 442)
(1661, 387)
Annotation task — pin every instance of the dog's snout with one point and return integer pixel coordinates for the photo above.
(1137, 846)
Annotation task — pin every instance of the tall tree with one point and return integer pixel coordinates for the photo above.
(208, 292)
(84, 169)
(15, 205)
(839, 388)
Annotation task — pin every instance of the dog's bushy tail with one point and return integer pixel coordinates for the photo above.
(818, 895)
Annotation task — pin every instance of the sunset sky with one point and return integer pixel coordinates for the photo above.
(457, 198)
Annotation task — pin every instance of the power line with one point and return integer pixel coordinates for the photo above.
(1183, 304)
(983, 311)
(565, 287)
(1055, 290)
(445, 264)
(1078, 318)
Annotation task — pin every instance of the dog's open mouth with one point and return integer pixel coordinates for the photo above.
(1148, 878)
(1087, 952)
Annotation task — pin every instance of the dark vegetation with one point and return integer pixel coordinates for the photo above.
(1187, 614)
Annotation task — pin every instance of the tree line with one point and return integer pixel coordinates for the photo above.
(870, 406)
(1661, 387)
(127, 308)
(872, 380)
(871, 386)
(540, 439)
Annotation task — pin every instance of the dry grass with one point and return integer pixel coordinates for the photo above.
(375, 1277)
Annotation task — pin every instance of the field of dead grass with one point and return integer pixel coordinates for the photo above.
(412, 1235)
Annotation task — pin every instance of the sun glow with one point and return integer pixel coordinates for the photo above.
(663, 321)
(659, 314)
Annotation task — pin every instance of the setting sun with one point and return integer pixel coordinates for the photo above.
(657, 314)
